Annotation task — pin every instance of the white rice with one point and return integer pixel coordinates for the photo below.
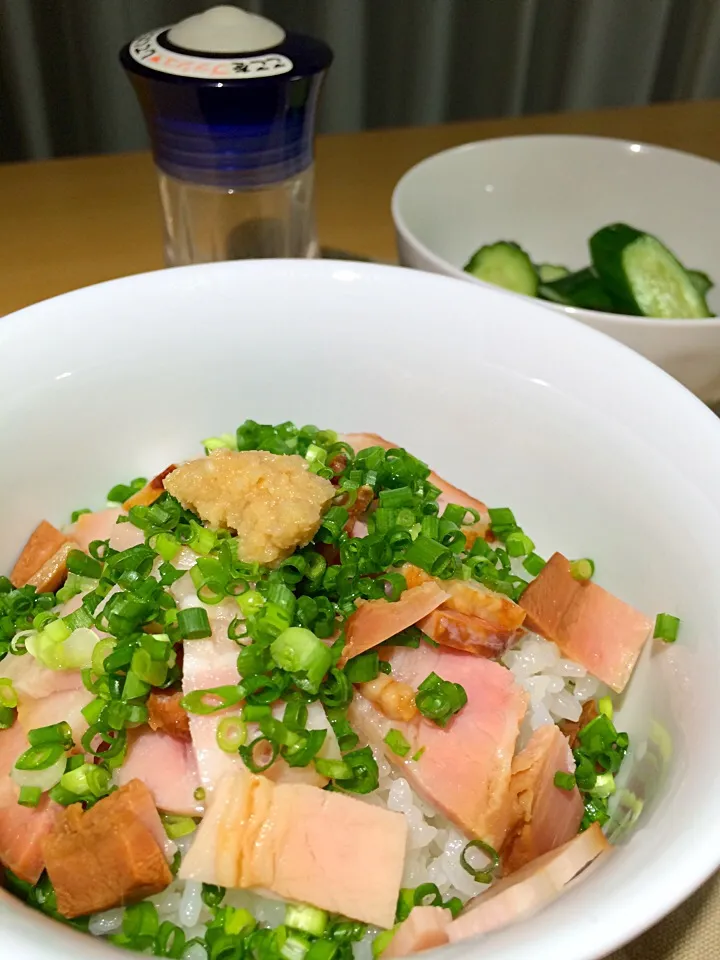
(557, 689)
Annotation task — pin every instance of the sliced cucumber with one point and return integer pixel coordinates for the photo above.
(703, 283)
(643, 276)
(549, 272)
(506, 265)
(581, 289)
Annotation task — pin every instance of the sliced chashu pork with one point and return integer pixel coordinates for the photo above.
(103, 525)
(464, 768)
(530, 888)
(22, 829)
(590, 625)
(375, 621)
(544, 816)
(507, 901)
(108, 856)
(301, 843)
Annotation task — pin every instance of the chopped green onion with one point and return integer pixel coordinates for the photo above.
(300, 652)
(666, 627)
(430, 556)
(87, 779)
(82, 565)
(226, 441)
(439, 700)
(333, 769)
(294, 948)
(29, 796)
(255, 711)
(248, 754)
(425, 890)
(598, 736)
(604, 785)
(231, 734)
(177, 827)
(501, 517)
(193, 624)
(363, 668)
(8, 696)
(397, 743)
(486, 873)
(250, 602)
(166, 546)
(7, 717)
(199, 794)
(212, 896)
(533, 564)
(203, 541)
(76, 514)
(605, 706)
(382, 942)
(204, 702)
(519, 544)
(582, 569)
(40, 757)
(365, 772)
(301, 753)
(416, 756)
(140, 920)
(564, 780)
(301, 916)
(454, 905)
(55, 733)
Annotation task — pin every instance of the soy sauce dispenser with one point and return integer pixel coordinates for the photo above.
(230, 101)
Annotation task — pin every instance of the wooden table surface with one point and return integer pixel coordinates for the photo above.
(72, 222)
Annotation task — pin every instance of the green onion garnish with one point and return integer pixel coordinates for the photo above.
(255, 762)
(193, 624)
(533, 564)
(582, 569)
(486, 873)
(397, 743)
(204, 702)
(60, 733)
(363, 668)
(231, 734)
(605, 706)
(382, 942)
(177, 826)
(439, 700)
(300, 916)
(416, 756)
(666, 627)
(501, 517)
(518, 544)
(40, 758)
(564, 780)
(333, 769)
(29, 796)
(301, 653)
(8, 696)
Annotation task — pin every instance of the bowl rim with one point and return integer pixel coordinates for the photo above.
(706, 858)
(445, 267)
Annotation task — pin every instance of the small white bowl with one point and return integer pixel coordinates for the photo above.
(550, 194)
(598, 452)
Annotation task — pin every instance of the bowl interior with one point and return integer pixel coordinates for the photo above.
(551, 193)
(603, 456)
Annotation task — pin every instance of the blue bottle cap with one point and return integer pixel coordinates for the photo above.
(229, 121)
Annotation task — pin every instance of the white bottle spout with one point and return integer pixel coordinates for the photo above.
(226, 29)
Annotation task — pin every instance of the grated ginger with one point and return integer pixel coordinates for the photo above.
(273, 502)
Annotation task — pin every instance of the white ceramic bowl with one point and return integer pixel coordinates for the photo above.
(599, 453)
(550, 194)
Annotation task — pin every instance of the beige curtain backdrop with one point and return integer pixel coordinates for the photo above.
(397, 61)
